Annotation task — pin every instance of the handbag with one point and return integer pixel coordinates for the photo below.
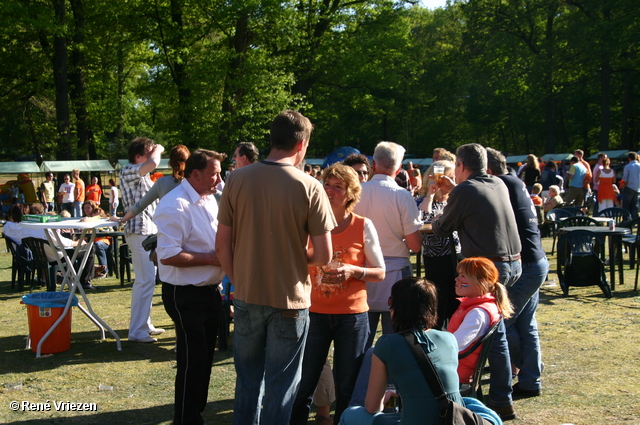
(150, 243)
(451, 413)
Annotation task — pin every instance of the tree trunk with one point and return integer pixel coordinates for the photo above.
(86, 148)
(605, 102)
(233, 93)
(180, 77)
(626, 105)
(61, 83)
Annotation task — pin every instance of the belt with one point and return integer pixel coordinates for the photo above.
(509, 258)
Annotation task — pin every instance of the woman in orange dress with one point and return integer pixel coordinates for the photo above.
(606, 179)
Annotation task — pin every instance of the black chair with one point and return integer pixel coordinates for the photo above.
(581, 261)
(474, 389)
(632, 242)
(46, 269)
(21, 263)
(125, 262)
(618, 214)
(14, 262)
(578, 220)
(553, 219)
(573, 210)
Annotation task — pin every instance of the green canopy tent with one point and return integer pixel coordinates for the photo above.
(13, 169)
(617, 154)
(101, 165)
(514, 159)
(557, 157)
(27, 167)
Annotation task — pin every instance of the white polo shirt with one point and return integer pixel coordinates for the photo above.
(187, 221)
(393, 212)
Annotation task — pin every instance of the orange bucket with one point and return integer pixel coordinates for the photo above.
(43, 309)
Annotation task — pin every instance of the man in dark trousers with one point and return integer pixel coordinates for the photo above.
(522, 327)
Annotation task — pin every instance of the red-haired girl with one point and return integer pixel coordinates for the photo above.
(483, 301)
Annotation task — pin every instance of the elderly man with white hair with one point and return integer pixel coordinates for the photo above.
(396, 218)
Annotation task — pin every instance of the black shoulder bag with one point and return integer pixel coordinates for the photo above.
(451, 413)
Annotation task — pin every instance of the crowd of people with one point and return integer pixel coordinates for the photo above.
(321, 258)
(578, 184)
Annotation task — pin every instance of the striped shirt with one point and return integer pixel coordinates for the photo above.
(133, 188)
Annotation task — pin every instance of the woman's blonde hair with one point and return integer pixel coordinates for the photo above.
(532, 161)
(349, 177)
(482, 272)
(427, 182)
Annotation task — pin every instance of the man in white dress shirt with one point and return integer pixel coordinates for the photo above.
(396, 217)
(191, 274)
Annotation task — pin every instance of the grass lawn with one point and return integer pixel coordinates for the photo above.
(590, 351)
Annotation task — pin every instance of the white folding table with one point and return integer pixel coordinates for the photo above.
(71, 277)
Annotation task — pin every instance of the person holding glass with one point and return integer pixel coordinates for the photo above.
(339, 307)
(439, 263)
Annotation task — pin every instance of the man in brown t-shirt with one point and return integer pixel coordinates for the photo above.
(268, 212)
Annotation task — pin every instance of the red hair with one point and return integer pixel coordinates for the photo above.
(482, 272)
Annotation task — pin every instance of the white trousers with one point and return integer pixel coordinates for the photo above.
(143, 287)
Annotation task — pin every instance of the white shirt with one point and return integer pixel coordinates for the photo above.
(372, 251)
(13, 230)
(113, 197)
(17, 232)
(187, 221)
(475, 324)
(393, 212)
(67, 188)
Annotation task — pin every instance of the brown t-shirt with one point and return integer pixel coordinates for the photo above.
(273, 208)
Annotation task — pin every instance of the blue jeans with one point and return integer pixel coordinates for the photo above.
(522, 327)
(499, 359)
(362, 382)
(509, 272)
(630, 201)
(267, 346)
(349, 334)
(101, 253)
(384, 316)
(77, 209)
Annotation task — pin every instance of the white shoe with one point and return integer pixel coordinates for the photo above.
(156, 331)
(146, 340)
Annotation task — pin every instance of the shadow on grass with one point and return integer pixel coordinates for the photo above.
(87, 348)
(550, 295)
(219, 412)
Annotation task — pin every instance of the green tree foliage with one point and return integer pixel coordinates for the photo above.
(81, 78)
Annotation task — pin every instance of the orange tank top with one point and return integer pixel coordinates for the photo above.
(350, 296)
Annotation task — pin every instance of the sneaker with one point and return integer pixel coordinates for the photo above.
(145, 340)
(156, 331)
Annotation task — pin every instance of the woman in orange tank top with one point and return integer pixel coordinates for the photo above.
(338, 311)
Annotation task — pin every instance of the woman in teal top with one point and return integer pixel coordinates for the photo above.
(413, 306)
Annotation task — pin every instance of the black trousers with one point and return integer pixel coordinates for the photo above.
(442, 272)
(195, 310)
(86, 274)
